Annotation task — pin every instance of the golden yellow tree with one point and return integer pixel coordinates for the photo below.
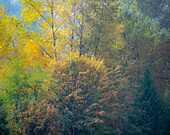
(49, 19)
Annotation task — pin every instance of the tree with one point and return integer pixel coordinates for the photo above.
(81, 89)
(157, 10)
(145, 43)
(104, 39)
(20, 86)
(11, 37)
(3, 115)
(77, 99)
(95, 51)
(40, 117)
(147, 116)
(49, 19)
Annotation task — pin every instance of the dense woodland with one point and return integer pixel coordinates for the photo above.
(85, 67)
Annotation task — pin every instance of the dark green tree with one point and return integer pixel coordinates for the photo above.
(3, 122)
(147, 113)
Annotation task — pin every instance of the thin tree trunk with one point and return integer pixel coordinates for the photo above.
(100, 31)
(52, 28)
(81, 33)
(73, 24)
(81, 40)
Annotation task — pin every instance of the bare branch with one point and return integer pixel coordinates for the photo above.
(46, 52)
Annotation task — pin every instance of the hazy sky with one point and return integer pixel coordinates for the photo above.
(13, 1)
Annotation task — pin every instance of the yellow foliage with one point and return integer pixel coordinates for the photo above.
(39, 90)
(101, 112)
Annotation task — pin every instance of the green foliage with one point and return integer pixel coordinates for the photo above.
(19, 86)
(20, 83)
(157, 9)
(14, 80)
(3, 123)
(146, 43)
(147, 115)
(76, 98)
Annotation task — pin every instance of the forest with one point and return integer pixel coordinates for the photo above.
(84, 67)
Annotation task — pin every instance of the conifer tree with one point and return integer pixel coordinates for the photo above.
(3, 122)
(147, 114)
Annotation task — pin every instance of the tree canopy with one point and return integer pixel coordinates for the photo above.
(72, 67)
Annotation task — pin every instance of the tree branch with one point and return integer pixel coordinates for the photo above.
(46, 52)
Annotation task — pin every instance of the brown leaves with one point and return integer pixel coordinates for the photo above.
(41, 117)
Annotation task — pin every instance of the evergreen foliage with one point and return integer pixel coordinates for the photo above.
(3, 115)
(147, 115)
